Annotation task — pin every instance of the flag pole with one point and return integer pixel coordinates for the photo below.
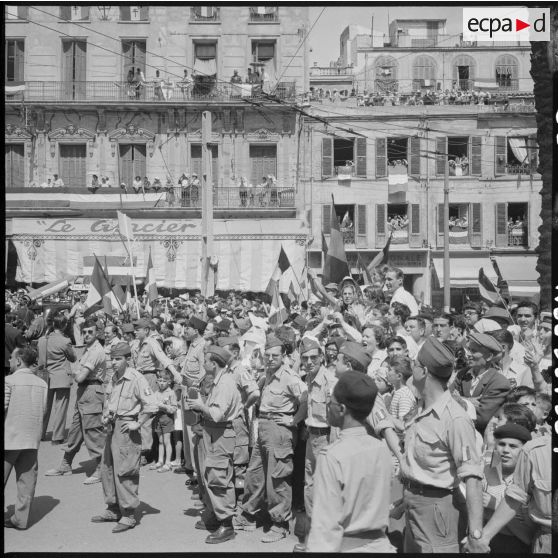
(105, 273)
(131, 254)
(298, 283)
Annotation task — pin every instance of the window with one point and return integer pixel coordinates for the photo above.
(352, 222)
(131, 162)
(74, 59)
(196, 161)
(344, 157)
(205, 13)
(74, 13)
(515, 155)
(507, 72)
(424, 73)
(465, 222)
(205, 67)
(397, 155)
(385, 72)
(14, 161)
(72, 165)
(463, 154)
(511, 224)
(133, 57)
(263, 52)
(15, 50)
(264, 14)
(14, 13)
(134, 13)
(263, 162)
(464, 71)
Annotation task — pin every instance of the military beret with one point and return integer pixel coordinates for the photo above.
(337, 341)
(546, 317)
(224, 341)
(244, 324)
(332, 286)
(356, 351)
(495, 313)
(307, 344)
(144, 323)
(223, 325)
(485, 325)
(485, 341)
(196, 323)
(223, 355)
(121, 349)
(436, 358)
(272, 341)
(512, 430)
(127, 328)
(357, 391)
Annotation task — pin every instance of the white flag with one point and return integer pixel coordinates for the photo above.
(125, 226)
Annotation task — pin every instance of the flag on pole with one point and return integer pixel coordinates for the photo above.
(365, 273)
(125, 226)
(380, 258)
(488, 291)
(277, 313)
(335, 264)
(502, 284)
(293, 297)
(150, 282)
(283, 264)
(99, 288)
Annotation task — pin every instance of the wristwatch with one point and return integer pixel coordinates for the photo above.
(476, 534)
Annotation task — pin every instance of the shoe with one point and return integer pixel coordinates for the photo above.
(62, 469)
(105, 518)
(299, 547)
(164, 469)
(121, 527)
(207, 525)
(155, 466)
(180, 470)
(93, 479)
(9, 525)
(223, 534)
(242, 523)
(275, 534)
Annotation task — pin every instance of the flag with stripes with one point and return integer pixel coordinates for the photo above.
(335, 264)
(488, 291)
(502, 284)
(283, 264)
(150, 282)
(125, 226)
(99, 290)
(381, 257)
(13, 87)
(277, 312)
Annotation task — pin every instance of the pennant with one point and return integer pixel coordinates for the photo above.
(150, 282)
(398, 180)
(487, 289)
(381, 257)
(335, 264)
(125, 226)
(99, 286)
(277, 313)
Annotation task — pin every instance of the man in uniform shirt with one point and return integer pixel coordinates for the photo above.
(111, 340)
(129, 401)
(86, 424)
(353, 476)
(222, 407)
(394, 287)
(269, 474)
(149, 357)
(440, 452)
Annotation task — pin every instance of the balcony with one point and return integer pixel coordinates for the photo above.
(261, 14)
(331, 71)
(348, 235)
(517, 235)
(115, 91)
(345, 172)
(520, 169)
(205, 14)
(404, 40)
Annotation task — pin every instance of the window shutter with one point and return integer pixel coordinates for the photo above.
(140, 55)
(72, 165)
(80, 75)
(526, 227)
(381, 167)
(85, 12)
(360, 149)
(476, 225)
(326, 219)
(144, 13)
(440, 231)
(23, 12)
(442, 149)
(476, 151)
(15, 171)
(139, 160)
(415, 238)
(532, 150)
(361, 227)
(125, 165)
(500, 155)
(501, 224)
(65, 12)
(414, 156)
(196, 160)
(327, 157)
(380, 225)
(124, 13)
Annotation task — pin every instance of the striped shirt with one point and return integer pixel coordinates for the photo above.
(402, 402)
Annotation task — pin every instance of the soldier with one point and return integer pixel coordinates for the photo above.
(353, 476)
(222, 407)
(87, 423)
(269, 474)
(129, 400)
(440, 452)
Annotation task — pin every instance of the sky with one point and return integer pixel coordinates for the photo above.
(324, 38)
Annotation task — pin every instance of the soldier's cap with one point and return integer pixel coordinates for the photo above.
(356, 351)
(224, 341)
(337, 341)
(142, 323)
(498, 314)
(272, 341)
(244, 324)
(219, 352)
(127, 328)
(331, 287)
(223, 325)
(512, 430)
(436, 358)
(121, 349)
(196, 323)
(546, 317)
(484, 325)
(485, 341)
(357, 391)
(308, 344)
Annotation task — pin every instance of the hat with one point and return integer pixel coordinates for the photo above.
(436, 358)
(273, 341)
(356, 351)
(127, 328)
(332, 286)
(357, 391)
(243, 324)
(224, 341)
(219, 352)
(286, 334)
(485, 325)
(485, 341)
(143, 322)
(307, 344)
(196, 323)
(223, 325)
(337, 341)
(300, 321)
(495, 313)
(546, 317)
(512, 430)
(121, 349)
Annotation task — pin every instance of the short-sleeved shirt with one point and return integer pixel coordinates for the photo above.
(224, 401)
(150, 356)
(167, 397)
(402, 402)
(532, 480)
(245, 381)
(440, 445)
(94, 359)
(128, 395)
(193, 363)
(281, 391)
(319, 388)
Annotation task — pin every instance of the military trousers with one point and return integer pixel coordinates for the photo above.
(270, 471)
(58, 400)
(314, 444)
(120, 471)
(216, 455)
(26, 467)
(241, 448)
(147, 426)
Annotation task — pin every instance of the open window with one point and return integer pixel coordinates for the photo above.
(463, 155)
(344, 157)
(465, 226)
(398, 155)
(134, 13)
(512, 224)
(515, 155)
(264, 58)
(205, 67)
(352, 221)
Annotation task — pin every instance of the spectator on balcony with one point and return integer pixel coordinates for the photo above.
(251, 78)
(139, 80)
(137, 185)
(186, 84)
(169, 189)
(95, 182)
(195, 186)
(58, 182)
(159, 86)
(156, 185)
(146, 184)
(235, 77)
(47, 184)
(130, 83)
(243, 191)
(123, 187)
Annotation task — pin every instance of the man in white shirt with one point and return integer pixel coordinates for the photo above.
(58, 182)
(394, 286)
(47, 184)
(416, 329)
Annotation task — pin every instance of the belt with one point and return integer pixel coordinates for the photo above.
(425, 489)
(319, 430)
(127, 418)
(360, 539)
(147, 371)
(91, 383)
(271, 416)
(212, 424)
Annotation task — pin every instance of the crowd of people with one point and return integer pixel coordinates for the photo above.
(361, 390)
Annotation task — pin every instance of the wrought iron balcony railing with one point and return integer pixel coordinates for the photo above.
(205, 14)
(517, 236)
(331, 71)
(262, 14)
(519, 169)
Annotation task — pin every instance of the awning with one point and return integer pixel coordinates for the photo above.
(464, 272)
(521, 274)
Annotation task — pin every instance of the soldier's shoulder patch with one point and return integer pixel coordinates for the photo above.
(466, 453)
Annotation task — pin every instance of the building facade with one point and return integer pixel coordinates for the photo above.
(117, 92)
